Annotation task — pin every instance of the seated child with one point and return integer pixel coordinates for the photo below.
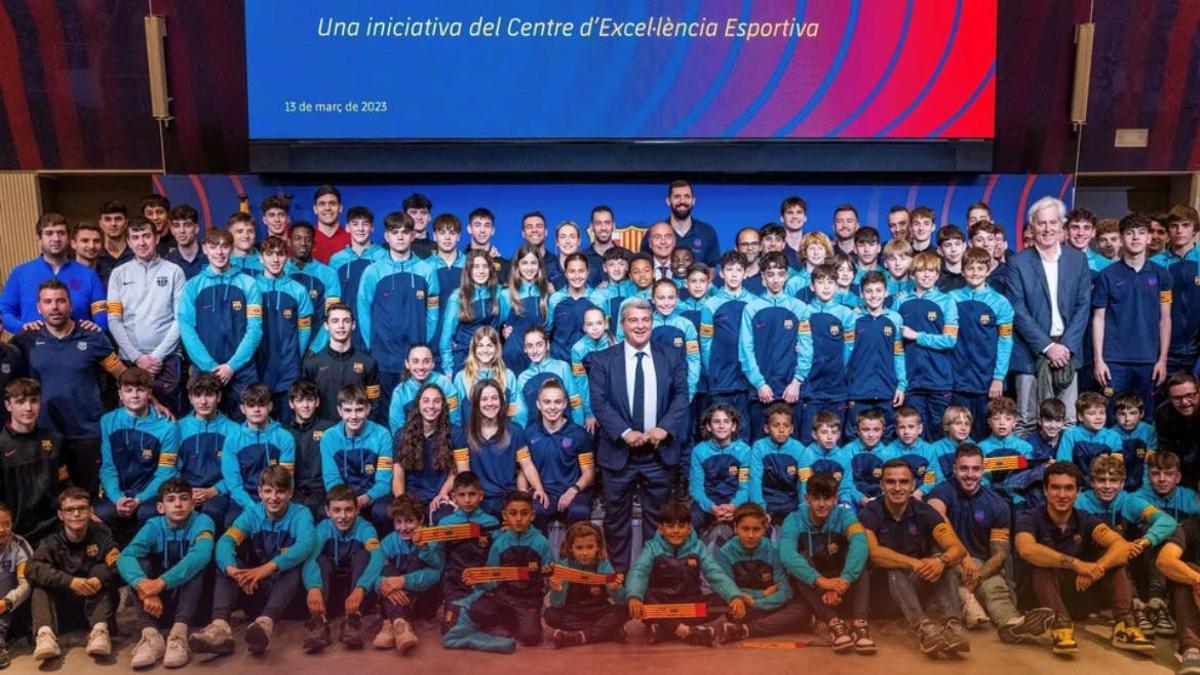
(585, 612)
(775, 464)
(824, 548)
(1002, 443)
(344, 567)
(823, 455)
(73, 579)
(754, 565)
(861, 484)
(258, 565)
(407, 586)
(719, 479)
(357, 453)
(957, 425)
(33, 467)
(460, 554)
(1139, 440)
(307, 428)
(670, 570)
(257, 444)
(138, 450)
(515, 607)
(165, 566)
(14, 559)
(1090, 438)
(202, 435)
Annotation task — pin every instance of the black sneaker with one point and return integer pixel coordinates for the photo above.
(656, 633)
(839, 637)
(4, 660)
(931, 639)
(568, 638)
(1028, 627)
(863, 642)
(956, 637)
(316, 636)
(733, 632)
(1164, 624)
(703, 636)
(351, 633)
(1141, 618)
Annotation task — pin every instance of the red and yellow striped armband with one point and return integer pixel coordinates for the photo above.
(1149, 511)
(743, 474)
(577, 369)
(853, 529)
(452, 402)
(586, 459)
(371, 544)
(98, 306)
(693, 347)
(330, 301)
(432, 302)
(1006, 330)
(115, 308)
(1165, 297)
(383, 463)
(687, 610)
(897, 347)
(848, 336)
(167, 459)
(461, 455)
(111, 558)
(460, 532)
(950, 330)
(576, 401)
(110, 362)
(304, 322)
(373, 391)
(1006, 463)
(512, 409)
(805, 474)
(998, 534)
(253, 311)
(564, 573)
(706, 330)
(485, 575)
(204, 535)
(804, 327)
(523, 454)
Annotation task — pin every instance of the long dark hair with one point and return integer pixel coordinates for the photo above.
(466, 288)
(409, 444)
(475, 437)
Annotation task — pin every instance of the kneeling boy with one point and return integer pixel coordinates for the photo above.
(407, 586)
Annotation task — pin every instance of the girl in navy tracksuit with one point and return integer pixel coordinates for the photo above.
(585, 613)
(428, 452)
(528, 293)
(477, 302)
(498, 449)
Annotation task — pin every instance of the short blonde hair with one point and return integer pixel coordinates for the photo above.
(927, 260)
(956, 413)
(817, 239)
(897, 246)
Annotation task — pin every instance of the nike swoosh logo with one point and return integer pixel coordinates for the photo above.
(10, 453)
(127, 283)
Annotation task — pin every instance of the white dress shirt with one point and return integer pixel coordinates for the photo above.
(1050, 267)
(650, 418)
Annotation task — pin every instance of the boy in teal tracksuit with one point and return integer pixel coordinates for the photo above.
(754, 565)
(165, 567)
(669, 570)
(287, 326)
(824, 548)
(358, 453)
(138, 451)
(775, 464)
(516, 606)
(258, 443)
(343, 569)
(407, 584)
(467, 493)
(258, 566)
(202, 437)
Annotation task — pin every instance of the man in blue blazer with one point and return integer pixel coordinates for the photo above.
(640, 399)
(1050, 289)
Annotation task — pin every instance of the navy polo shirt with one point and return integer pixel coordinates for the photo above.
(69, 370)
(496, 463)
(559, 456)
(977, 519)
(1132, 300)
(911, 535)
(1074, 540)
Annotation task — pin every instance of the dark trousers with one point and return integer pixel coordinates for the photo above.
(740, 401)
(8, 581)
(931, 405)
(977, 404)
(231, 396)
(652, 480)
(855, 603)
(61, 609)
(337, 581)
(1130, 378)
(599, 624)
(280, 409)
(1187, 615)
(388, 381)
(1055, 589)
(579, 509)
(121, 526)
(180, 604)
(792, 617)
(855, 408)
(82, 457)
(494, 611)
(810, 411)
(313, 499)
(422, 604)
(271, 599)
(668, 626)
(216, 508)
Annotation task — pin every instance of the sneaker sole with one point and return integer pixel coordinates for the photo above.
(842, 649)
(257, 639)
(198, 646)
(865, 651)
(1036, 622)
(1065, 651)
(1133, 648)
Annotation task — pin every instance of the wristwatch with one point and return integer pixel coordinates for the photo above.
(944, 558)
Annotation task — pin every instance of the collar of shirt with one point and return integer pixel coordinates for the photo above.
(1051, 257)
(630, 350)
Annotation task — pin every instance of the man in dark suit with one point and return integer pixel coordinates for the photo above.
(639, 397)
(1049, 286)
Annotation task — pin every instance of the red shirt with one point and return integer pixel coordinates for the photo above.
(324, 246)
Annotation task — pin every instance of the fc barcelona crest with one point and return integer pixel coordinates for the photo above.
(420, 295)
(835, 330)
(678, 342)
(358, 367)
(932, 316)
(147, 453)
(985, 319)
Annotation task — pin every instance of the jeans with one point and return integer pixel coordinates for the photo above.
(907, 589)
(997, 597)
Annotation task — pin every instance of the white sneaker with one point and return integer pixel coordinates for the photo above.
(99, 644)
(148, 650)
(258, 634)
(406, 639)
(215, 638)
(974, 616)
(46, 645)
(385, 638)
(177, 654)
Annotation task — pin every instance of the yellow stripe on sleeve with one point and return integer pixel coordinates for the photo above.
(577, 369)
(853, 529)
(115, 308)
(373, 391)
(110, 362)
(452, 402)
(998, 534)
(384, 463)
(99, 306)
(167, 459)
(1006, 330)
(950, 331)
(586, 459)
(706, 330)
(236, 535)
(522, 454)
(111, 558)
(743, 474)
(897, 347)
(1148, 512)
(371, 544)
(1164, 298)
(253, 311)
(304, 322)
(804, 327)
(204, 535)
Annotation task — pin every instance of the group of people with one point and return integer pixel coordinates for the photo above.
(355, 431)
